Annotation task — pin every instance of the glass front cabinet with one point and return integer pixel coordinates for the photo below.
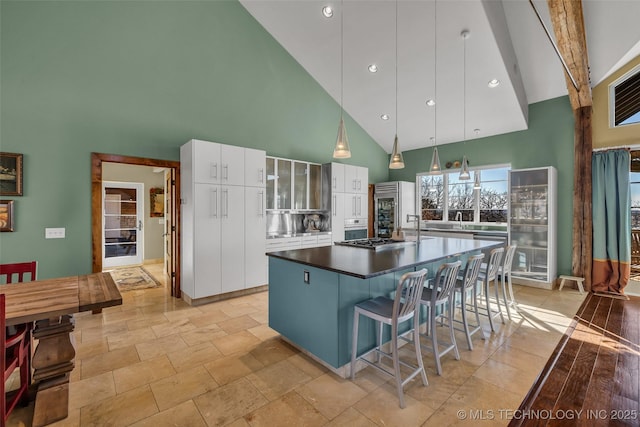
(532, 225)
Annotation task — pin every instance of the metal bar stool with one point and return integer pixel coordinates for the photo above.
(439, 302)
(393, 312)
(466, 286)
(505, 277)
(486, 276)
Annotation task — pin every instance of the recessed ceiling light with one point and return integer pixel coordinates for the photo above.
(373, 68)
(494, 83)
(384, 117)
(431, 102)
(327, 11)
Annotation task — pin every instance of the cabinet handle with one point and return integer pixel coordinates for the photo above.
(335, 183)
(214, 170)
(359, 205)
(335, 208)
(260, 196)
(139, 225)
(353, 205)
(354, 185)
(261, 175)
(225, 169)
(225, 204)
(359, 185)
(213, 203)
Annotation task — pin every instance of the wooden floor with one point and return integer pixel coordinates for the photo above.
(591, 377)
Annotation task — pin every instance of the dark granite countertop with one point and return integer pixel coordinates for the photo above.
(366, 263)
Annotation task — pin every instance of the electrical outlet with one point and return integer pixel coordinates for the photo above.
(54, 233)
(306, 277)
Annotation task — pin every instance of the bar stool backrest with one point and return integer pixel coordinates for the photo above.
(445, 281)
(408, 294)
(471, 270)
(493, 266)
(508, 259)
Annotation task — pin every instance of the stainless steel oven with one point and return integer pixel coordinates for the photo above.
(355, 229)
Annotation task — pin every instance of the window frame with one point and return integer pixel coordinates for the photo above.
(612, 97)
(445, 199)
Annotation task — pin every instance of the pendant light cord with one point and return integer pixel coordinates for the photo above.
(464, 87)
(435, 74)
(341, 58)
(396, 68)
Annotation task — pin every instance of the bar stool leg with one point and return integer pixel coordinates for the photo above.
(354, 344)
(451, 331)
(504, 295)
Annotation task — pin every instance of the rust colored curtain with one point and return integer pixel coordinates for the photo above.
(611, 220)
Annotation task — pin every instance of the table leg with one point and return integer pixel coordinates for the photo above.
(52, 363)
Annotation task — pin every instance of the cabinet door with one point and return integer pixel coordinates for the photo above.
(283, 184)
(232, 237)
(232, 161)
(337, 217)
(350, 208)
(362, 206)
(337, 177)
(315, 186)
(206, 162)
(271, 183)
(362, 178)
(300, 185)
(206, 236)
(350, 179)
(254, 168)
(255, 261)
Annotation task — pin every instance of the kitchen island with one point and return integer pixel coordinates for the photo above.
(312, 292)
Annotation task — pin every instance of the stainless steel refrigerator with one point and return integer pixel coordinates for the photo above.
(393, 202)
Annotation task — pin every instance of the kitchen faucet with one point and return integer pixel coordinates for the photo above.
(415, 218)
(459, 219)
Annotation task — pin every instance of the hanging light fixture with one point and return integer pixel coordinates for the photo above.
(464, 170)
(342, 150)
(397, 161)
(476, 173)
(435, 159)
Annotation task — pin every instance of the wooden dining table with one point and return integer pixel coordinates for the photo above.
(51, 303)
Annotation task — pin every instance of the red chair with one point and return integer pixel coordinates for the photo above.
(14, 354)
(16, 340)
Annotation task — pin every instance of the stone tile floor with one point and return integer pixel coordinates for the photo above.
(156, 361)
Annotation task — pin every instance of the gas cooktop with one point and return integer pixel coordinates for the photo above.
(374, 244)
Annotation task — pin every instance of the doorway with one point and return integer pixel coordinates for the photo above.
(122, 230)
(97, 208)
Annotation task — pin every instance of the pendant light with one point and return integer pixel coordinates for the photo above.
(464, 171)
(342, 150)
(476, 173)
(435, 159)
(397, 161)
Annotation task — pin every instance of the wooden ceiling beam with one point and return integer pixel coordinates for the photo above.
(568, 28)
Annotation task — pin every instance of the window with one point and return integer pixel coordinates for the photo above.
(624, 99)
(443, 197)
(634, 178)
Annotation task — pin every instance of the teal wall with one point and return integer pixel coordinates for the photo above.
(547, 142)
(140, 78)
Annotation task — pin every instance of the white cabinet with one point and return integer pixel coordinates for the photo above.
(532, 225)
(255, 260)
(223, 220)
(337, 216)
(356, 206)
(217, 163)
(254, 168)
(356, 179)
(337, 177)
(283, 243)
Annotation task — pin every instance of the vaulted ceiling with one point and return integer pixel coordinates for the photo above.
(506, 42)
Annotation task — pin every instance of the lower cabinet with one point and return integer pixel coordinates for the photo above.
(255, 260)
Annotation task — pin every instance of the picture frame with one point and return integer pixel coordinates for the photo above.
(6, 215)
(156, 207)
(10, 174)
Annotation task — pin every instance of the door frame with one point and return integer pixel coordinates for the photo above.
(96, 207)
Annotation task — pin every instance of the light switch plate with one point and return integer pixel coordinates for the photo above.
(54, 233)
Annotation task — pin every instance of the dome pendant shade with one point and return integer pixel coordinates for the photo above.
(342, 150)
(435, 161)
(464, 171)
(397, 161)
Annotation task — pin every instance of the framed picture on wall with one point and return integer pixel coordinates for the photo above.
(10, 174)
(6, 215)
(157, 202)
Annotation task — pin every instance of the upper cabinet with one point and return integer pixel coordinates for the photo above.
(217, 163)
(356, 179)
(254, 168)
(293, 184)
